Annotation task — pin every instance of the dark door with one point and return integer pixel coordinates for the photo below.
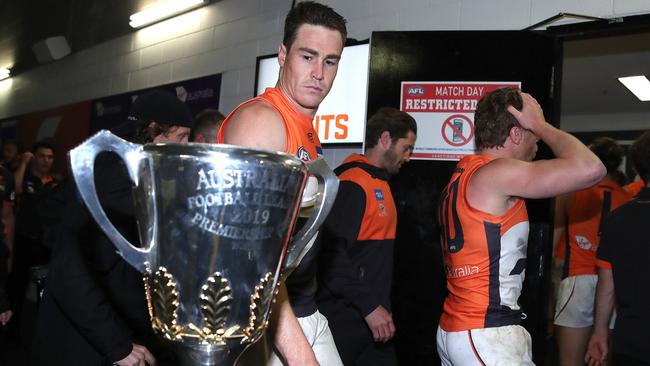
(419, 283)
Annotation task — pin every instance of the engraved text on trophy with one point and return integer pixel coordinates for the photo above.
(247, 195)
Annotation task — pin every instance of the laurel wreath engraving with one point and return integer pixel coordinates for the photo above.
(215, 305)
(215, 300)
(261, 299)
(162, 297)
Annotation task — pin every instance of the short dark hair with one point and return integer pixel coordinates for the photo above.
(313, 13)
(609, 152)
(640, 152)
(396, 122)
(205, 120)
(43, 145)
(492, 121)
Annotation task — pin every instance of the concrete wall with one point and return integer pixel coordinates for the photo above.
(225, 37)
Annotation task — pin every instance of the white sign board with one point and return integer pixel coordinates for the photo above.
(341, 117)
(444, 112)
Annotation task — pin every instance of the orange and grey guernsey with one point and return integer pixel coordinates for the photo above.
(302, 140)
(585, 215)
(380, 217)
(484, 256)
(358, 238)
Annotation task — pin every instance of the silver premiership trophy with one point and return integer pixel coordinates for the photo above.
(215, 225)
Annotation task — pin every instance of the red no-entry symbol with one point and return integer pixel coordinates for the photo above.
(457, 130)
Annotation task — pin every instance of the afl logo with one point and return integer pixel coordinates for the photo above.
(415, 90)
(303, 154)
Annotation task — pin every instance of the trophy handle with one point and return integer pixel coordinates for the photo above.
(328, 185)
(82, 161)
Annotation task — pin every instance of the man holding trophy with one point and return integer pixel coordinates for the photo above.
(281, 119)
(214, 222)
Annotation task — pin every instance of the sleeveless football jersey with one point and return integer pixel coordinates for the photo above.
(484, 256)
(585, 215)
(302, 140)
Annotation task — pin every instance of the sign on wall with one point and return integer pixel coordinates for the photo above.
(444, 111)
(64, 127)
(198, 94)
(341, 117)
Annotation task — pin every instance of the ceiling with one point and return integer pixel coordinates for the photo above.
(591, 68)
(83, 22)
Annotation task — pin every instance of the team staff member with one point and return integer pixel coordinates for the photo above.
(33, 181)
(281, 119)
(485, 226)
(580, 215)
(623, 276)
(94, 311)
(355, 268)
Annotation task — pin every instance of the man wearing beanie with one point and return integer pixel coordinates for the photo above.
(94, 310)
(156, 116)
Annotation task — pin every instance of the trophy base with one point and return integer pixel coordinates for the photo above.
(205, 355)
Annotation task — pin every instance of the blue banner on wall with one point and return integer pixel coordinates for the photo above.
(198, 94)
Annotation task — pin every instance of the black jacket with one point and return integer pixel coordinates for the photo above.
(94, 305)
(355, 270)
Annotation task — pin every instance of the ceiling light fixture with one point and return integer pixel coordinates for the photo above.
(4, 73)
(163, 10)
(639, 85)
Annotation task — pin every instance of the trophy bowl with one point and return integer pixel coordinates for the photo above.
(215, 225)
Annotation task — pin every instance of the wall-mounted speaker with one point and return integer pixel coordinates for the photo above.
(51, 49)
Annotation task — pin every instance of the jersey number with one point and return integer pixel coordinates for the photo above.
(449, 216)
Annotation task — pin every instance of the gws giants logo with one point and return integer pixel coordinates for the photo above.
(583, 242)
(415, 90)
(303, 154)
(382, 210)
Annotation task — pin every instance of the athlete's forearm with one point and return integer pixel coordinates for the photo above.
(288, 336)
(566, 146)
(19, 177)
(604, 304)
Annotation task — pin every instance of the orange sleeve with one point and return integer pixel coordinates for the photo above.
(603, 264)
